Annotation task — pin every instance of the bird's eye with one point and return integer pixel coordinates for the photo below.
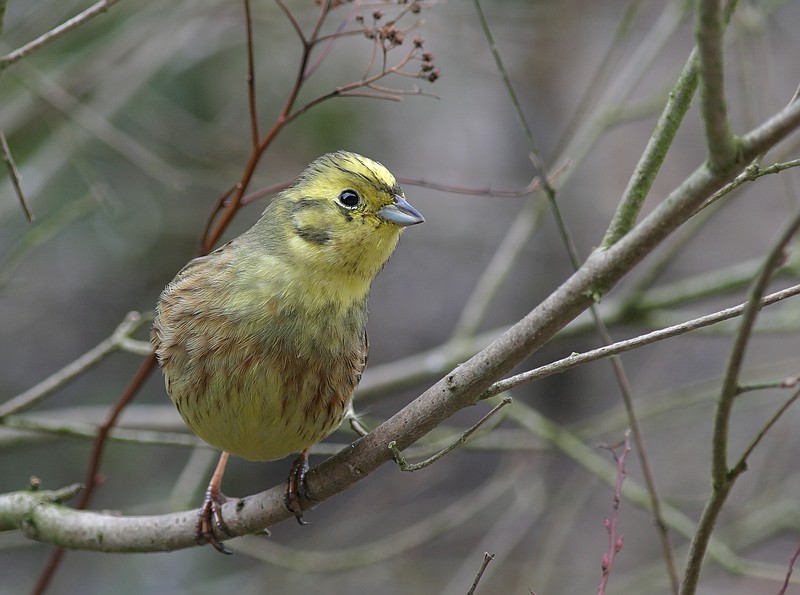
(349, 199)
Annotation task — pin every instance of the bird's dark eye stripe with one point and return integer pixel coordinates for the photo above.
(306, 204)
(313, 235)
(349, 198)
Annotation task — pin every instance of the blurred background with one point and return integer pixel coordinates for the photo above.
(127, 130)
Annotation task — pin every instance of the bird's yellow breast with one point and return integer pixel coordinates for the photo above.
(255, 372)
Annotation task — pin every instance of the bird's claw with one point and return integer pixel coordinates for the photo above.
(209, 517)
(297, 489)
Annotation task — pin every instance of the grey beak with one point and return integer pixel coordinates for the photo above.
(400, 213)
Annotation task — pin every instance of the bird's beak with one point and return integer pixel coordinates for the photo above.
(400, 213)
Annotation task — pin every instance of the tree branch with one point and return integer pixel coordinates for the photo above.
(55, 33)
(709, 31)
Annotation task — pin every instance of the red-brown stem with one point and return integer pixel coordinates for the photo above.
(94, 462)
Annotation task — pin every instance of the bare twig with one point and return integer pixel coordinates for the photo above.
(713, 107)
(411, 467)
(487, 557)
(55, 33)
(16, 179)
(610, 523)
(35, 394)
(251, 75)
(577, 359)
(741, 464)
(792, 561)
(722, 476)
(535, 156)
(532, 186)
(788, 382)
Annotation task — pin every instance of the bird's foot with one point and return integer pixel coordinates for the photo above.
(209, 518)
(296, 488)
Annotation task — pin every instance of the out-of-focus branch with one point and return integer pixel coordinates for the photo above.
(614, 537)
(16, 179)
(91, 358)
(54, 33)
(709, 31)
(723, 477)
(640, 182)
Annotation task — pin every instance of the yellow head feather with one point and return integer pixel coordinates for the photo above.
(342, 219)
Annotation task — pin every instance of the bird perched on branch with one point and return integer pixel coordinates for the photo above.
(263, 341)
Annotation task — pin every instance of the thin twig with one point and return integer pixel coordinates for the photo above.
(610, 523)
(535, 156)
(792, 561)
(411, 467)
(532, 186)
(55, 33)
(16, 179)
(145, 369)
(577, 359)
(741, 464)
(35, 394)
(487, 557)
(789, 382)
(720, 470)
(293, 21)
(330, 39)
(251, 75)
(606, 66)
(722, 476)
(750, 174)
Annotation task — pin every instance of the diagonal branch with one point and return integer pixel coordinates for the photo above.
(55, 33)
(459, 389)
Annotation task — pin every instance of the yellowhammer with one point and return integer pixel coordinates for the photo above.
(263, 341)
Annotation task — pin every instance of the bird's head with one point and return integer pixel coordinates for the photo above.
(345, 214)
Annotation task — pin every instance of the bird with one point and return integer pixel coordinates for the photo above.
(263, 341)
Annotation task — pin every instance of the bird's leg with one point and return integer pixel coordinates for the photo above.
(210, 514)
(296, 489)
